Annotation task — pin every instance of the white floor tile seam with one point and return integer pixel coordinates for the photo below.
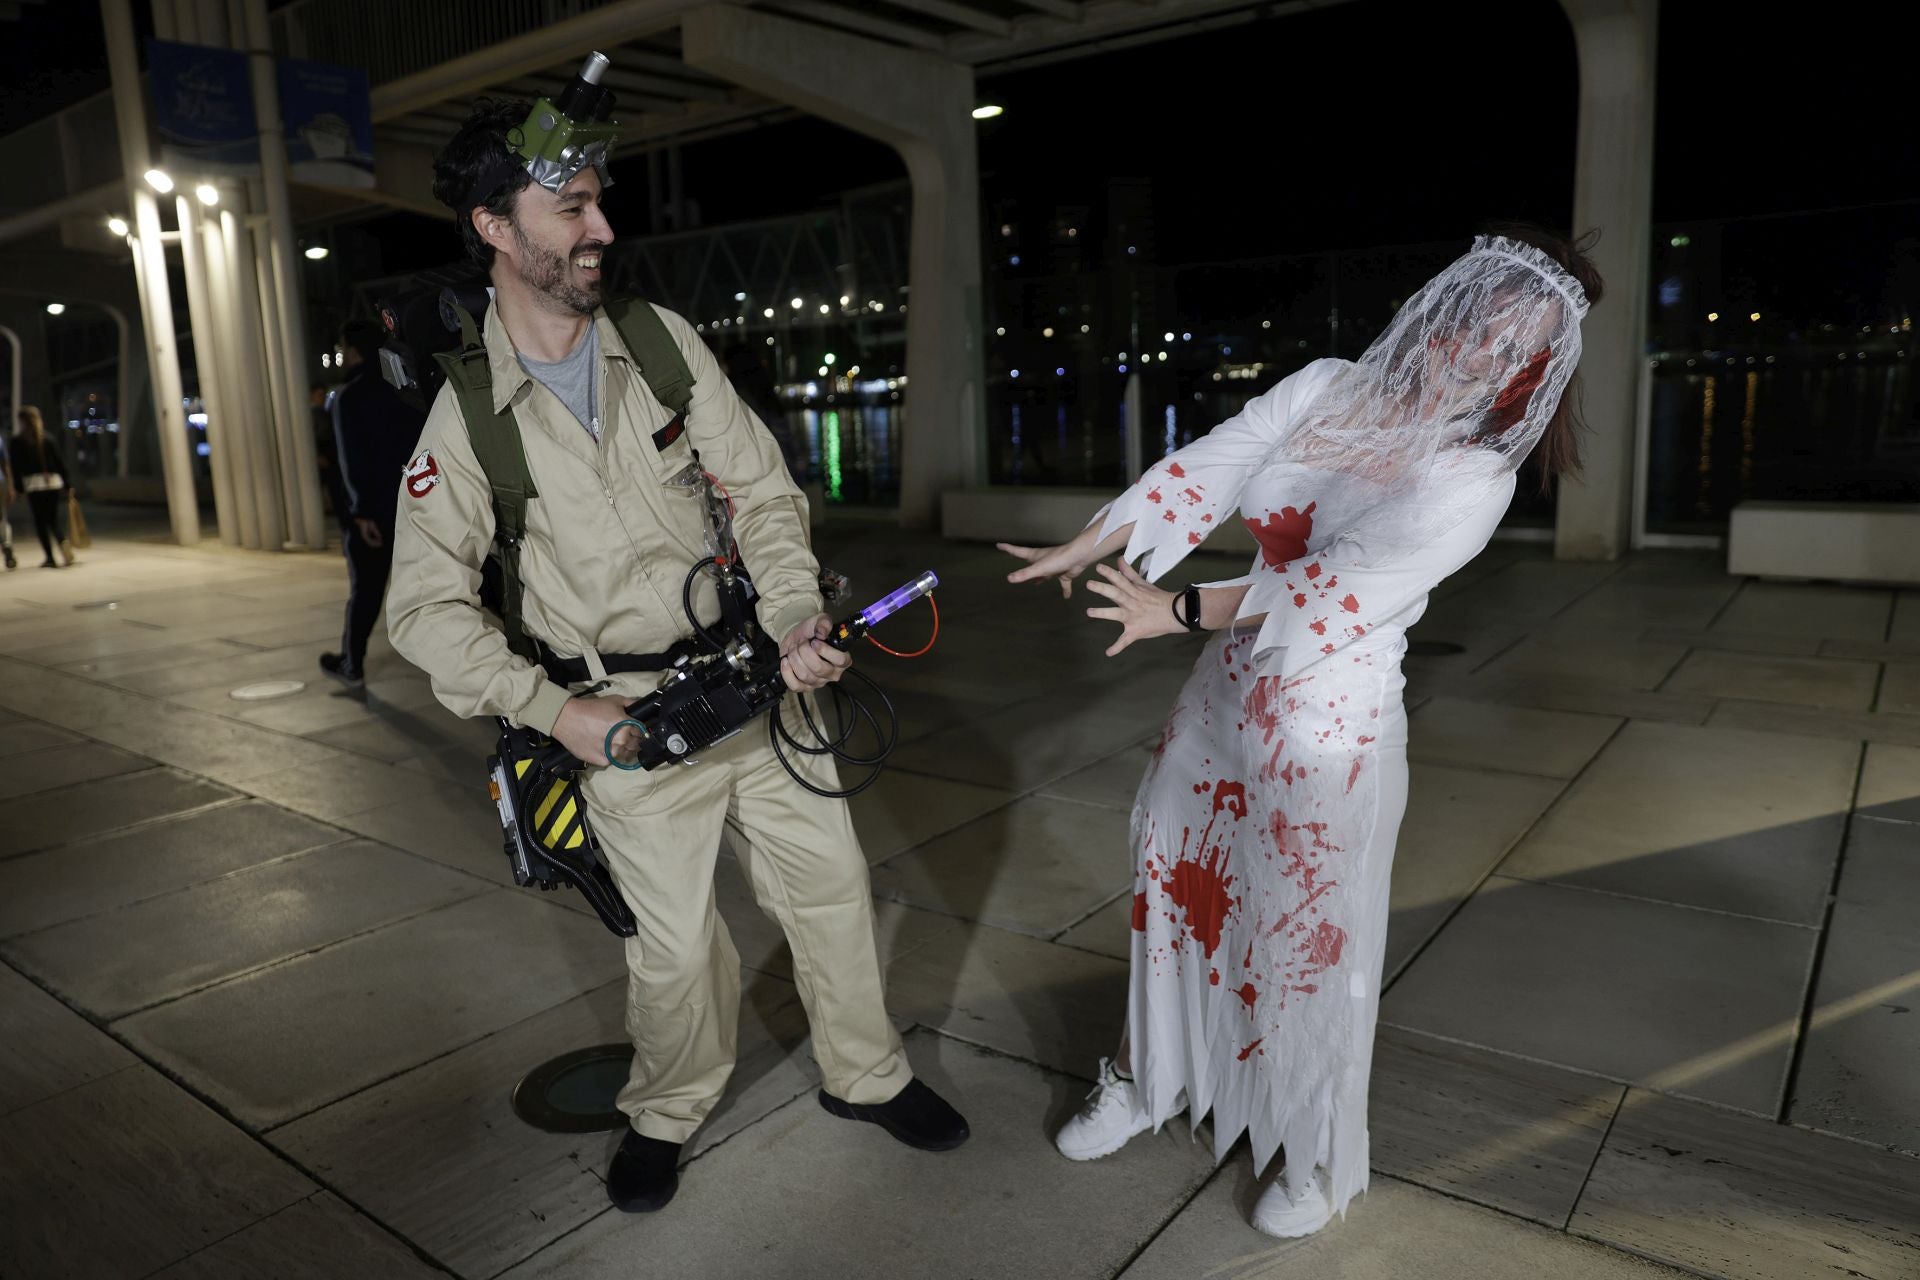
(93, 837)
(1657, 902)
(1599, 1149)
(1905, 1153)
(1574, 1069)
(60, 788)
(10, 1114)
(320, 1190)
(177, 890)
(279, 962)
(1900, 720)
(1470, 766)
(266, 1134)
(1496, 862)
(1012, 799)
(1055, 938)
(1888, 819)
(165, 702)
(1816, 961)
(1676, 1264)
(1879, 686)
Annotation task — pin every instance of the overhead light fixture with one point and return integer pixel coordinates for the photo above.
(316, 252)
(159, 181)
(988, 110)
(56, 308)
(208, 193)
(118, 226)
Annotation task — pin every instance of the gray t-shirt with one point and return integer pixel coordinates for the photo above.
(572, 378)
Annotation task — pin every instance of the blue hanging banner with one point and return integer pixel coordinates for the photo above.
(203, 108)
(328, 113)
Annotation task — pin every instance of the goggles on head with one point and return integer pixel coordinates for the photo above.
(559, 138)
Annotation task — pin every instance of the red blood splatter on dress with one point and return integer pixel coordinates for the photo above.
(1283, 536)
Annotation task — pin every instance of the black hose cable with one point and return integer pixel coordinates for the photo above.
(776, 731)
(686, 603)
(891, 737)
(776, 726)
(851, 723)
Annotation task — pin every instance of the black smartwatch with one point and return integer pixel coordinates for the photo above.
(1186, 608)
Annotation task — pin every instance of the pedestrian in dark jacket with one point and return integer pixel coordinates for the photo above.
(375, 432)
(40, 469)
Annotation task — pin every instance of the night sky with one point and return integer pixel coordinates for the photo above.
(1374, 122)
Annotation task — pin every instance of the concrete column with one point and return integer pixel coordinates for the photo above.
(163, 357)
(206, 359)
(130, 374)
(1136, 427)
(1613, 193)
(921, 105)
(243, 292)
(300, 468)
(237, 426)
(13, 379)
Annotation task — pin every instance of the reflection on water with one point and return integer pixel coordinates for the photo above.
(851, 449)
(1798, 425)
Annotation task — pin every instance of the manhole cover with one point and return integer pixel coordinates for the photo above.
(1433, 648)
(267, 689)
(574, 1092)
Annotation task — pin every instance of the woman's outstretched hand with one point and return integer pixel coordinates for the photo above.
(1064, 563)
(1142, 609)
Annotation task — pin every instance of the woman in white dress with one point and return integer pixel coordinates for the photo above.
(1263, 831)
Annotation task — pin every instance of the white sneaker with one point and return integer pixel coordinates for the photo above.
(1288, 1211)
(1111, 1116)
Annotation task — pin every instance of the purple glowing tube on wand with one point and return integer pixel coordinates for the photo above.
(865, 620)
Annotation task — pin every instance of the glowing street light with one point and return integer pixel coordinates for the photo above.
(988, 110)
(316, 252)
(56, 308)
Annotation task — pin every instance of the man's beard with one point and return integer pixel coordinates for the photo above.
(545, 272)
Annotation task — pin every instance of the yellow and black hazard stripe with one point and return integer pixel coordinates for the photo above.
(559, 820)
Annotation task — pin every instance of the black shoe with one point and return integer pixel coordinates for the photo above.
(11, 562)
(642, 1177)
(916, 1116)
(340, 669)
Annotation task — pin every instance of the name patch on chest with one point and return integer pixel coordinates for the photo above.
(671, 432)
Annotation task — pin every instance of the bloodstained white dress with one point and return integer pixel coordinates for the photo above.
(1263, 832)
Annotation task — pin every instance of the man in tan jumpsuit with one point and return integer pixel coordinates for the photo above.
(609, 541)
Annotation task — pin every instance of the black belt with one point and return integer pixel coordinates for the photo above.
(575, 671)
